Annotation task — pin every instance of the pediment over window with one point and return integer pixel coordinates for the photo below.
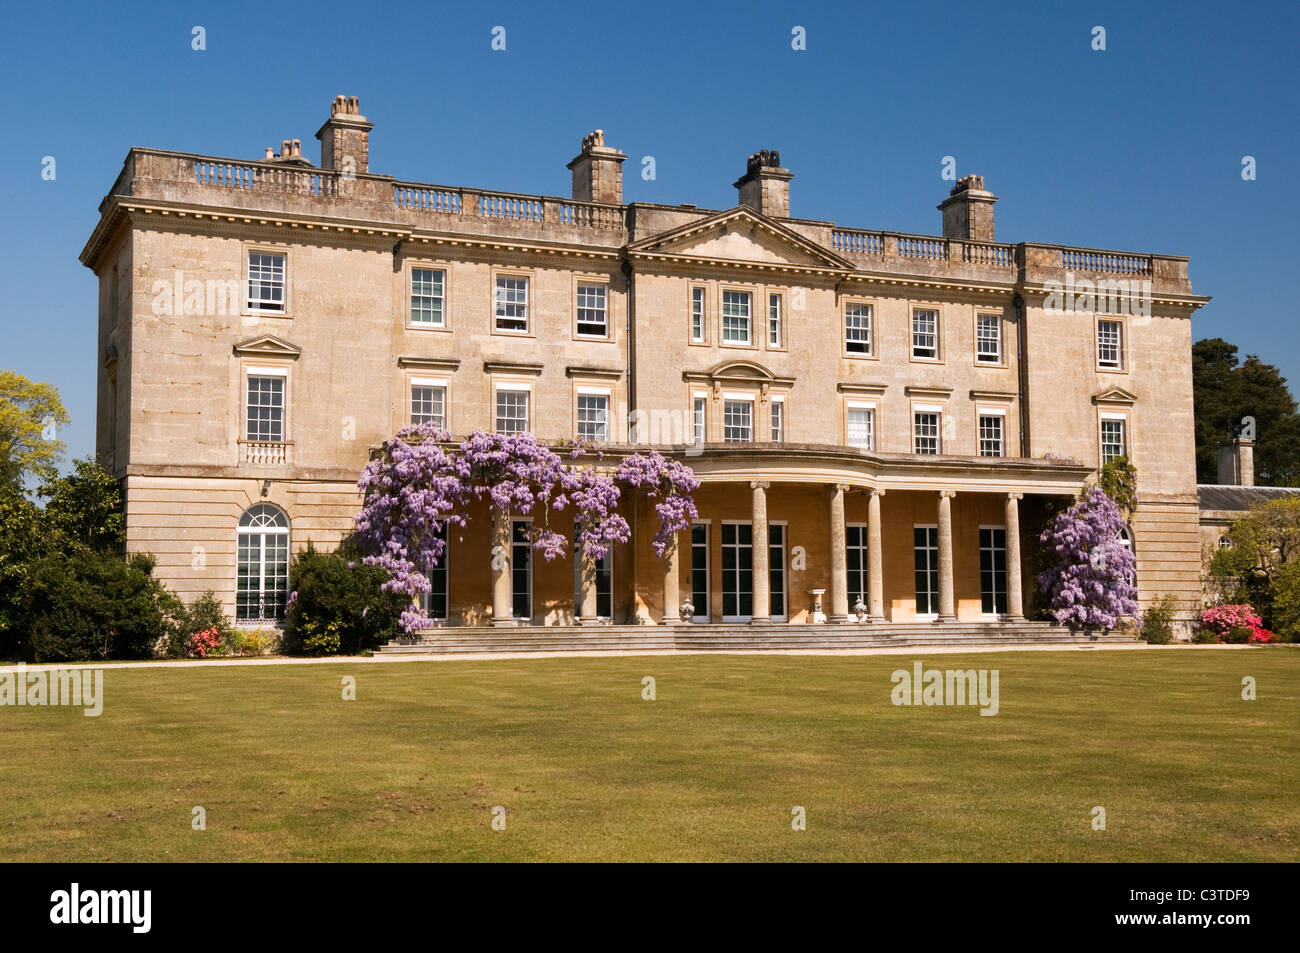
(268, 345)
(736, 372)
(1114, 395)
(739, 235)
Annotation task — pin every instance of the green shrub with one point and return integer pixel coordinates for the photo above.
(1285, 614)
(255, 642)
(202, 614)
(89, 606)
(1238, 635)
(1205, 637)
(1158, 621)
(337, 607)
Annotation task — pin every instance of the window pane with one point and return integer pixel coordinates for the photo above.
(697, 314)
(738, 421)
(593, 316)
(774, 321)
(990, 435)
(593, 417)
(512, 304)
(735, 317)
(857, 329)
(927, 433)
(925, 333)
(512, 411)
(1109, 344)
(265, 409)
(265, 281)
(861, 427)
(988, 338)
(428, 405)
(426, 296)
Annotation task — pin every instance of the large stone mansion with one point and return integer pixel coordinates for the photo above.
(878, 419)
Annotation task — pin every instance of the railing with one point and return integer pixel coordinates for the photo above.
(426, 199)
(934, 249)
(1117, 263)
(987, 253)
(857, 241)
(265, 178)
(265, 452)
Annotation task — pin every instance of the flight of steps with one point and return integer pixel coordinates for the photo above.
(571, 639)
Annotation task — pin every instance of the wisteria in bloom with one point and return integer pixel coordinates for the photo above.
(671, 484)
(418, 486)
(1088, 567)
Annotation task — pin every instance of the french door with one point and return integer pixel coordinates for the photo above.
(737, 572)
(926, 547)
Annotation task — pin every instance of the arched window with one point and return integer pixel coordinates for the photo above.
(262, 571)
(1126, 538)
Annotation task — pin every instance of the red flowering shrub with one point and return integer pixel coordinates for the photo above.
(1228, 621)
(206, 642)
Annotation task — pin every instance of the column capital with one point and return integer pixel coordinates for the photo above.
(842, 487)
(1015, 496)
(759, 484)
(949, 494)
(876, 491)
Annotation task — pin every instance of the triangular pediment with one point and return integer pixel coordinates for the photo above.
(267, 345)
(740, 235)
(1114, 395)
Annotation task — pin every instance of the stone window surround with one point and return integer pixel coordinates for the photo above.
(873, 350)
(1124, 343)
(1002, 361)
(528, 274)
(579, 279)
(408, 266)
(265, 248)
(941, 352)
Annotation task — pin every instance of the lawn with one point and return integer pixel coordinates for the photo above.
(710, 770)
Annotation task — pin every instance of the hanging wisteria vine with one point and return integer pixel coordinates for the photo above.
(420, 485)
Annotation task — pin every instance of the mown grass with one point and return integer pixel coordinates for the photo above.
(587, 770)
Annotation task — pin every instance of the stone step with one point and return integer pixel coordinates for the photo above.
(721, 638)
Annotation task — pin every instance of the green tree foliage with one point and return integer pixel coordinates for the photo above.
(337, 605)
(1264, 540)
(87, 507)
(30, 415)
(1225, 391)
(90, 606)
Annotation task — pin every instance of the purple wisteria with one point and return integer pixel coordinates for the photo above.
(1089, 571)
(418, 486)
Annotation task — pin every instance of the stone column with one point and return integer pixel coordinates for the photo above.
(839, 608)
(500, 563)
(672, 583)
(586, 587)
(875, 561)
(947, 603)
(1015, 598)
(762, 580)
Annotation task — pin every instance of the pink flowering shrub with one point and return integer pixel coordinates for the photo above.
(418, 486)
(1222, 620)
(1088, 569)
(205, 643)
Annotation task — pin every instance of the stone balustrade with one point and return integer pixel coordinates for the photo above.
(285, 187)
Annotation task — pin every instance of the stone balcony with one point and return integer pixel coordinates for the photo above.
(366, 200)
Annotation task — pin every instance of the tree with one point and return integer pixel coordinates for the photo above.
(421, 484)
(30, 414)
(87, 507)
(1088, 569)
(1224, 392)
(1264, 540)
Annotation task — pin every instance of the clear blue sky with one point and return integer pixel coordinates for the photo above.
(1135, 148)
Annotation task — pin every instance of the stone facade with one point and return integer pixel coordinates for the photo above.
(356, 300)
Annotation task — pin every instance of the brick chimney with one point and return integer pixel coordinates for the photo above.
(598, 171)
(765, 186)
(968, 210)
(1237, 462)
(345, 137)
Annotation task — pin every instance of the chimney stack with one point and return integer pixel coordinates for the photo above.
(598, 171)
(1237, 462)
(765, 186)
(345, 138)
(968, 210)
